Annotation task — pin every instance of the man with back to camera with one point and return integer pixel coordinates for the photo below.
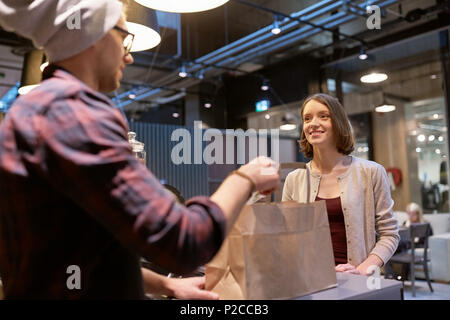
(71, 192)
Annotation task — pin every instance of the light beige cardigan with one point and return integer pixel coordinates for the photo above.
(366, 204)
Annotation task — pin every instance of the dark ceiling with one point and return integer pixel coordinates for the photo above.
(234, 41)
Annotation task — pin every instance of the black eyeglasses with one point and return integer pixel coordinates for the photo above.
(128, 41)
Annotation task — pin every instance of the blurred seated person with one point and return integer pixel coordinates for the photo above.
(415, 215)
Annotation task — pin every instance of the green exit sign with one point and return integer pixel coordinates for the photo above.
(262, 105)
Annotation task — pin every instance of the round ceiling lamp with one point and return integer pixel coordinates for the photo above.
(182, 6)
(143, 23)
(385, 108)
(288, 127)
(374, 77)
(288, 123)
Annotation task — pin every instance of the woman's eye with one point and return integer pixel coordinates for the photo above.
(324, 116)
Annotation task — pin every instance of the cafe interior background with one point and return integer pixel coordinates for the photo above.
(249, 64)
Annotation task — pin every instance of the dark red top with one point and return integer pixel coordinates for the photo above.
(337, 228)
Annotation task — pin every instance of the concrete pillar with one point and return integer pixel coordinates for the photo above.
(31, 73)
(192, 109)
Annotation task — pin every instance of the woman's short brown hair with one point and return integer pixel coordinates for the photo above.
(345, 142)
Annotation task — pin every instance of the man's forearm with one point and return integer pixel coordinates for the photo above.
(155, 283)
(231, 196)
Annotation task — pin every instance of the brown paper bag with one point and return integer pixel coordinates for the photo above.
(275, 251)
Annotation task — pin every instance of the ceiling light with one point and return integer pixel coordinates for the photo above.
(183, 73)
(180, 6)
(435, 116)
(431, 138)
(362, 54)
(414, 132)
(132, 96)
(418, 149)
(143, 23)
(385, 108)
(374, 77)
(288, 127)
(267, 116)
(288, 122)
(441, 138)
(208, 105)
(145, 38)
(265, 85)
(438, 151)
(276, 26)
(26, 89)
(175, 114)
(433, 77)
(421, 138)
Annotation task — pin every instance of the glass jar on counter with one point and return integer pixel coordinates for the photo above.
(137, 147)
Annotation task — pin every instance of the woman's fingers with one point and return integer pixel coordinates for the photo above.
(344, 267)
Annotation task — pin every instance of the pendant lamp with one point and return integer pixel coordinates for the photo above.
(143, 23)
(182, 6)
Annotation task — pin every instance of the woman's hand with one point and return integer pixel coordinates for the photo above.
(366, 268)
(347, 268)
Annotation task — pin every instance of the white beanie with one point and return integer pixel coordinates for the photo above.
(63, 28)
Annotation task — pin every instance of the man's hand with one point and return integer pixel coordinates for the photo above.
(185, 288)
(264, 173)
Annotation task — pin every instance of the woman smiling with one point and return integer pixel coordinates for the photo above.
(356, 191)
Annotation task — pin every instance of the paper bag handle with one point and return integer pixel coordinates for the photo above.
(296, 165)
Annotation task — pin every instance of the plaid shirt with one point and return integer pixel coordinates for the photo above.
(72, 193)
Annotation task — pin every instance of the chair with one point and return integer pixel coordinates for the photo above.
(417, 233)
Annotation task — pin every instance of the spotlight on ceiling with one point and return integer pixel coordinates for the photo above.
(276, 26)
(182, 6)
(362, 54)
(265, 85)
(183, 73)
